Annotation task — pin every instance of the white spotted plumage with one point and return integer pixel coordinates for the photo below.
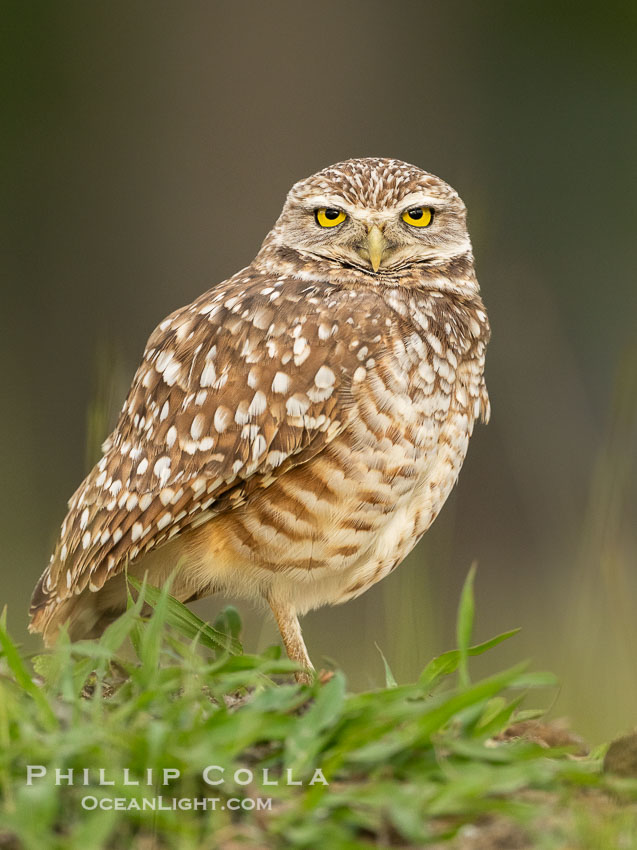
(296, 429)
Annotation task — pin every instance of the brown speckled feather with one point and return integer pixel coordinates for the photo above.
(296, 429)
(248, 380)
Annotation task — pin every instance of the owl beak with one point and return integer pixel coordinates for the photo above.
(376, 245)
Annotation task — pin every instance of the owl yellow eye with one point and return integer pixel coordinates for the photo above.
(418, 216)
(329, 217)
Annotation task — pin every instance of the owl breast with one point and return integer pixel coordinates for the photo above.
(325, 531)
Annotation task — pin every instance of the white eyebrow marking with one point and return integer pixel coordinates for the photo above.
(420, 199)
(318, 201)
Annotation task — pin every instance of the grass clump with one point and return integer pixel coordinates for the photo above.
(173, 704)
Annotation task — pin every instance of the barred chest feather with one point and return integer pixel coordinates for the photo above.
(325, 531)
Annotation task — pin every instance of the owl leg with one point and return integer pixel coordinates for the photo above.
(290, 629)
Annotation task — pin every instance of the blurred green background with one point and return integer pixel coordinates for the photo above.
(147, 149)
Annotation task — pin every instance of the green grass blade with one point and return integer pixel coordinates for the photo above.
(539, 679)
(390, 681)
(307, 739)
(496, 716)
(116, 633)
(464, 628)
(187, 623)
(152, 635)
(447, 663)
(23, 677)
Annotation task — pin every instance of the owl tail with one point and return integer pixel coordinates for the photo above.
(85, 615)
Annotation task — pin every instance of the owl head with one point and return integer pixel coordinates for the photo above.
(379, 216)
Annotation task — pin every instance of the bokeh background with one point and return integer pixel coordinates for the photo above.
(147, 149)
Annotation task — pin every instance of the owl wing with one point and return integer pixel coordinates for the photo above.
(233, 390)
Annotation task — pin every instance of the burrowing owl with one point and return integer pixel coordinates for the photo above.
(292, 433)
